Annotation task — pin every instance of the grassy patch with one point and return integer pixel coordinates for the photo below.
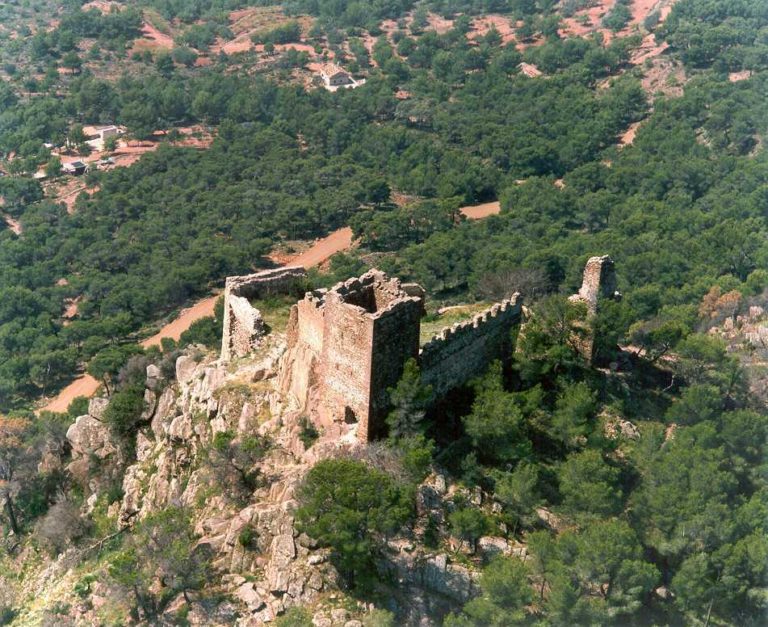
(275, 310)
(433, 323)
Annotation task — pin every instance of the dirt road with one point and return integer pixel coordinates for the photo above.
(319, 252)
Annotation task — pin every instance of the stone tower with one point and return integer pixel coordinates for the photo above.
(599, 283)
(371, 328)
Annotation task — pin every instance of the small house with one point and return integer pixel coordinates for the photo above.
(75, 168)
(334, 77)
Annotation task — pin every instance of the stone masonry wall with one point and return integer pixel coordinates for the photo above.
(371, 328)
(599, 282)
(345, 364)
(243, 324)
(463, 351)
(395, 341)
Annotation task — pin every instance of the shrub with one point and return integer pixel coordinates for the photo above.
(308, 434)
(124, 410)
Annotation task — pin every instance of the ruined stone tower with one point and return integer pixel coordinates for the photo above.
(349, 344)
(599, 283)
(371, 330)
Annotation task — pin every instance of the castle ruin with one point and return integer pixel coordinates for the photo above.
(598, 283)
(243, 324)
(347, 345)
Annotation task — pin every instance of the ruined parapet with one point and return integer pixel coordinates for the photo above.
(243, 324)
(463, 351)
(371, 328)
(599, 283)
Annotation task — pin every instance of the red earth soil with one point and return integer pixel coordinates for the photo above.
(153, 39)
(629, 136)
(481, 26)
(478, 212)
(87, 386)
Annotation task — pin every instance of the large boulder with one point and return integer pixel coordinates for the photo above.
(89, 436)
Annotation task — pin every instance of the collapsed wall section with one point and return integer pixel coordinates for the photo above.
(599, 283)
(243, 324)
(464, 350)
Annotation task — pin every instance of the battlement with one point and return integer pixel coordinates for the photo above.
(347, 345)
(463, 351)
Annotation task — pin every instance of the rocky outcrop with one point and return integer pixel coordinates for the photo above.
(96, 455)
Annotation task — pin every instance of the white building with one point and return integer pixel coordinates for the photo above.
(335, 77)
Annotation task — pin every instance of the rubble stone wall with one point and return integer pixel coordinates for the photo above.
(243, 324)
(599, 282)
(464, 350)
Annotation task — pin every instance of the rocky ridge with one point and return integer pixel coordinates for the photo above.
(264, 565)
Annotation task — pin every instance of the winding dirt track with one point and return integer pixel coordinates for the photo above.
(87, 385)
(322, 250)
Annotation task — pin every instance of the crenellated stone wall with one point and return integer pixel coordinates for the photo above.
(464, 350)
(243, 324)
(348, 345)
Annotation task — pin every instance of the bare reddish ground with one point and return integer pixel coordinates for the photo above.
(642, 9)
(324, 248)
(82, 386)
(242, 43)
(70, 309)
(530, 70)
(477, 212)
(13, 224)
(575, 27)
(153, 39)
(438, 23)
(629, 136)
(482, 25)
(246, 22)
(173, 330)
(735, 77)
(649, 49)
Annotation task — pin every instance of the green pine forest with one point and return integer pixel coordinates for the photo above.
(679, 507)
